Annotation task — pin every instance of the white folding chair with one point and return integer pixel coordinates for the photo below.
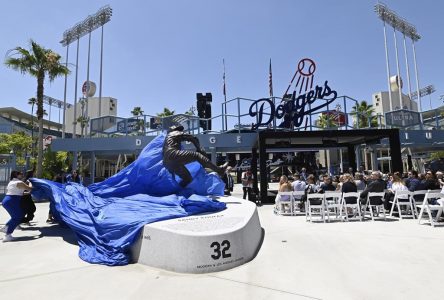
(298, 198)
(354, 206)
(427, 207)
(378, 207)
(333, 202)
(403, 198)
(315, 201)
(417, 201)
(283, 200)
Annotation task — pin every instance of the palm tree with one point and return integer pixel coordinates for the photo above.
(326, 121)
(137, 111)
(191, 111)
(83, 122)
(166, 113)
(364, 115)
(39, 62)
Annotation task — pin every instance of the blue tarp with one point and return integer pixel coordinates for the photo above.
(107, 216)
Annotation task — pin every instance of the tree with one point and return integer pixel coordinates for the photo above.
(55, 162)
(191, 111)
(326, 121)
(40, 63)
(364, 115)
(20, 143)
(437, 155)
(83, 121)
(32, 101)
(137, 111)
(166, 113)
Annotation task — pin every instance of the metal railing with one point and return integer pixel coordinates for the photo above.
(340, 114)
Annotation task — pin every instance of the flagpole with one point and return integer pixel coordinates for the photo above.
(224, 111)
(270, 86)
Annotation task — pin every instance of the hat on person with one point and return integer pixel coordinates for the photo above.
(176, 128)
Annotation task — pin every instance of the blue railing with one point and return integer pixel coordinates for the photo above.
(339, 114)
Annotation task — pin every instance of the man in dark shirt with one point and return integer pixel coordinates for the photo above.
(175, 159)
(412, 182)
(377, 185)
(327, 185)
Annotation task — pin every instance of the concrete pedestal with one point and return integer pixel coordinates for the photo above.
(202, 243)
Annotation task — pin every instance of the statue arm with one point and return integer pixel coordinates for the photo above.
(192, 139)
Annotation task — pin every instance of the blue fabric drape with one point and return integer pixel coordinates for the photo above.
(108, 216)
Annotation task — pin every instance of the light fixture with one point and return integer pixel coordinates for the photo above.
(390, 17)
(100, 18)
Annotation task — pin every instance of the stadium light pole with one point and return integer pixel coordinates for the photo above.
(101, 17)
(91, 23)
(400, 24)
(388, 69)
(398, 79)
(64, 94)
(407, 67)
(417, 79)
(101, 70)
(74, 129)
(382, 15)
(428, 90)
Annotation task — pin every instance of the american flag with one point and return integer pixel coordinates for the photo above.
(270, 80)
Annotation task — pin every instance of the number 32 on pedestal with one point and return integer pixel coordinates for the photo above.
(220, 249)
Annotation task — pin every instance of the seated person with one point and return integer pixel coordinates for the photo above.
(397, 185)
(376, 185)
(284, 186)
(298, 185)
(349, 186)
(327, 185)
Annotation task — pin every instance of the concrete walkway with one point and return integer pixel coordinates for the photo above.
(298, 260)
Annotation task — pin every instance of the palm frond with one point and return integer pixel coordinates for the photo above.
(56, 71)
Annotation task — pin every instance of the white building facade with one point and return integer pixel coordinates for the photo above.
(381, 102)
(89, 109)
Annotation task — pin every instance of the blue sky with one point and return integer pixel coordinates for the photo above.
(161, 53)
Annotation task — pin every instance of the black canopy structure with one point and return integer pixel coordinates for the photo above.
(323, 139)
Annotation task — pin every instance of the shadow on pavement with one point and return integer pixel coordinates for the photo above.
(54, 231)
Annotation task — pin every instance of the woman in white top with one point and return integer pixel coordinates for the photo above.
(397, 185)
(11, 203)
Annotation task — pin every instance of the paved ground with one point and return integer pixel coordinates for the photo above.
(298, 260)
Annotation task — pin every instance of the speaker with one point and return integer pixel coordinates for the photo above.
(204, 109)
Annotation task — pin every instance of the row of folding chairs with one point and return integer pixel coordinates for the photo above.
(334, 203)
(324, 205)
(429, 204)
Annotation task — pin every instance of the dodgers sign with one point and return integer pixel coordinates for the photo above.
(300, 105)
